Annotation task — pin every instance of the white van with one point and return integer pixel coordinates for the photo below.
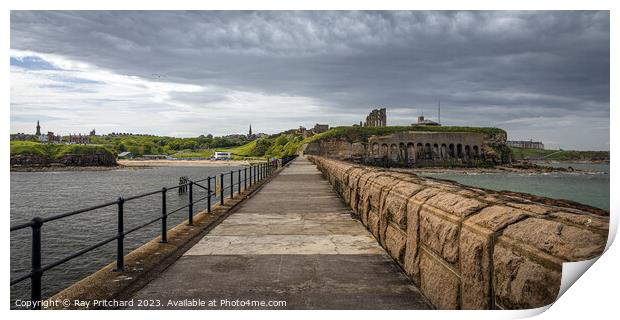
(222, 155)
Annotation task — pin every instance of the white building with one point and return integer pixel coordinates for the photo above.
(222, 155)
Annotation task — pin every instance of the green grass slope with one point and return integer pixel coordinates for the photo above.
(354, 134)
(288, 144)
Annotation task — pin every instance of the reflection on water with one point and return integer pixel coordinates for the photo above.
(46, 194)
(588, 188)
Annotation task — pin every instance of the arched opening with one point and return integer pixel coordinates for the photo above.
(451, 151)
(384, 150)
(375, 149)
(467, 153)
(393, 152)
(459, 151)
(436, 152)
(402, 152)
(419, 151)
(428, 153)
(444, 152)
(410, 152)
(476, 153)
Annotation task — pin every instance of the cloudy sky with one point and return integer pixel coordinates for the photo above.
(538, 75)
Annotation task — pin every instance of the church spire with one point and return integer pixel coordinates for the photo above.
(38, 129)
(250, 132)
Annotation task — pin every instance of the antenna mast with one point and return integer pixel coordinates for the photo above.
(439, 112)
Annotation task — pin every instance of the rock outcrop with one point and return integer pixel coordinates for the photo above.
(465, 247)
(78, 160)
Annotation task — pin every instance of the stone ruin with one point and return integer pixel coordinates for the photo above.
(376, 118)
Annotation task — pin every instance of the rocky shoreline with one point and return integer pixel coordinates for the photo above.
(59, 167)
(523, 167)
(126, 164)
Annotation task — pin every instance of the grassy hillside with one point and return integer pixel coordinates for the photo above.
(354, 134)
(276, 146)
(55, 151)
(177, 147)
(243, 150)
(558, 155)
(288, 144)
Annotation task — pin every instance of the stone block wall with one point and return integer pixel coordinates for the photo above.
(416, 148)
(466, 247)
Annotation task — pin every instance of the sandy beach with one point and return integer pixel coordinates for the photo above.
(182, 163)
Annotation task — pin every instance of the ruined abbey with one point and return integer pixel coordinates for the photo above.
(376, 118)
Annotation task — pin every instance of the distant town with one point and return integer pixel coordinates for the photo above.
(376, 118)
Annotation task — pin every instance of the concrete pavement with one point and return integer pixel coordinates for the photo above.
(293, 241)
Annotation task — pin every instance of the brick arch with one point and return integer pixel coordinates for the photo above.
(452, 151)
(384, 150)
(411, 156)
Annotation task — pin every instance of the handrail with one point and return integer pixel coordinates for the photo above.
(256, 173)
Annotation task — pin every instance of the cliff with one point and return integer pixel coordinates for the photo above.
(33, 154)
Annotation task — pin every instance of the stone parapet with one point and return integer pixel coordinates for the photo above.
(466, 247)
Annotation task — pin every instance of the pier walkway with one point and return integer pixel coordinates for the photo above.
(293, 241)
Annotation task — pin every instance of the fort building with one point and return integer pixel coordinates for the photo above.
(425, 122)
(415, 148)
(318, 128)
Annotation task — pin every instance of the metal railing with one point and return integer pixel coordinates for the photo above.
(251, 175)
(288, 159)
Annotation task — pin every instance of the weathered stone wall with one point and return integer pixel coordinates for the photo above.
(417, 148)
(465, 247)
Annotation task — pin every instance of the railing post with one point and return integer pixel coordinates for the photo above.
(209, 194)
(221, 188)
(35, 286)
(120, 250)
(254, 175)
(164, 228)
(191, 203)
(245, 178)
(239, 181)
(232, 184)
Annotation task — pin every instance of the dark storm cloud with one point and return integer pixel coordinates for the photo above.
(509, 69)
